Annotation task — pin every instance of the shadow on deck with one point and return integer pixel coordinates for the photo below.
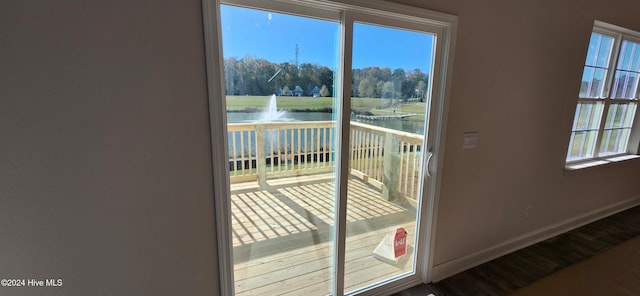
(292, 214)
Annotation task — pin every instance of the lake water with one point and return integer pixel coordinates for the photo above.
(396, 124)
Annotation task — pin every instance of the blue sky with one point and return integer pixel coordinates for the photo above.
(274, 36)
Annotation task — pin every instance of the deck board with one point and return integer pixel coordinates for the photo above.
(282, 236)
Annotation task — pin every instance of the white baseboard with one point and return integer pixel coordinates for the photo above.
(447, 269)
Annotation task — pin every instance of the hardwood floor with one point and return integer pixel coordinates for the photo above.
(518, 269)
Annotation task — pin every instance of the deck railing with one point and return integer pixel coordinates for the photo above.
(386, 158)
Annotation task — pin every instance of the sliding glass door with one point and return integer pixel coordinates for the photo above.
(328, 147)
(279, 71)
(391, 69)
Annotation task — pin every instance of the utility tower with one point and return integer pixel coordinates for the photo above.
(297, 53)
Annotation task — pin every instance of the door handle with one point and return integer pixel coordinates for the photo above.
(428, 169)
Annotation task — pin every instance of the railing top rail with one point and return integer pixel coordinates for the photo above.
(279, 124)
(234, 127)
(409, 137)
(405, 136)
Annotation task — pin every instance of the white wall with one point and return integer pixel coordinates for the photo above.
(517, 72)
(105, 177)
(105, 167)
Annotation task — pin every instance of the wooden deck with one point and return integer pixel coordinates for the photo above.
(282, 236)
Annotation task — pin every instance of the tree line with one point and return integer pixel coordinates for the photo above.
(259, 77)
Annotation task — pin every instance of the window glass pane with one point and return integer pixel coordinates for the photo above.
(582, 145)
(625, 85)
(593, 80)
(585, 130)
(620, 115)
(628, 71)
(282, 149)
(617, 128)
(595, 70)
(587, 116)
(599, 52)
(629, 59)
(390, 81)
(614, 141)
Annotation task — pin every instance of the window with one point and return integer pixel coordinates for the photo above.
(603, 127)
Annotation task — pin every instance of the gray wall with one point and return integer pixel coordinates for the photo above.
(105, 177)
(517, 72)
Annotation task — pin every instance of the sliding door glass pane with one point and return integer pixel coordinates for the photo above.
(391, 70)
(281, 129)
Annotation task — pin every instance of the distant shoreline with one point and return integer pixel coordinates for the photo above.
(256, 110)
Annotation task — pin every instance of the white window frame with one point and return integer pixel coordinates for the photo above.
(379, 13)
(619, 35)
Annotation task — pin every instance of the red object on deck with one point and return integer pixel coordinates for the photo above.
(400, 242)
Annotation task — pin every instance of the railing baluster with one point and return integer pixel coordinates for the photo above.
(293, 149)
(366, 153)
(372, 155)
(369, 155)
(415, 171)
(325, 151)
(325, 147)
(305, 134)
(365, 136)
(241, 134)
(261, 156)
(376, 157)
(360, 150)
(279, 148)
(363, 157)
(318, 147)
(363, 146)
(299, 150)
(351, 146)
(400, 163)
(271, 150)
(250, 152)
(309, 152)
(406, 169)
(233, 144)
(355, 149)
(314, 148)
(286, 149)
(380, 157)
(316, 163)
(374, 165)
(330, 154)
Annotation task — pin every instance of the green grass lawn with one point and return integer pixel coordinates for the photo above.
(417, 108)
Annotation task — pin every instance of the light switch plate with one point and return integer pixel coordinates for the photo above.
(469, 140)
